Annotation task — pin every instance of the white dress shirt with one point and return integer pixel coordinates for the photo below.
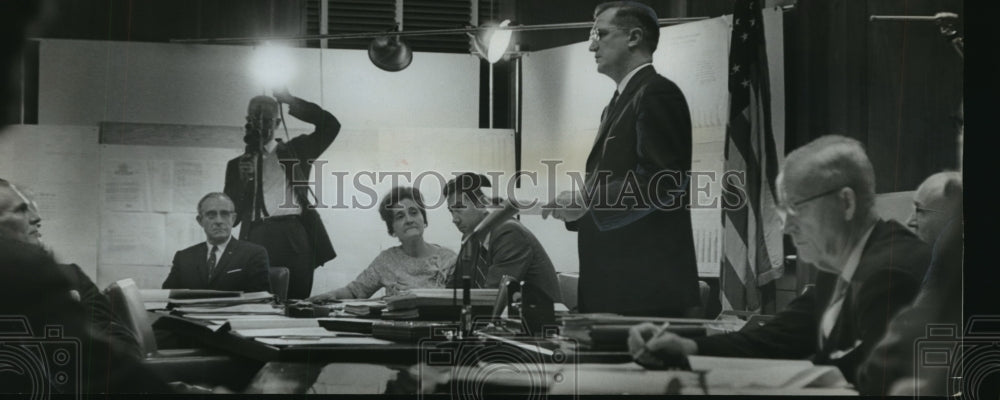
(218, 256)
(850, 266)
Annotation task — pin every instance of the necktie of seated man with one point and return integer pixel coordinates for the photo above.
(211, 261)
(482, 266)
(829, 317)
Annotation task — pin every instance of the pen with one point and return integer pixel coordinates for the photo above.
(297, 337)
(644, 351)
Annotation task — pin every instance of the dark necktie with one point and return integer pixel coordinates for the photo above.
(611, 104)
(211, 261)
(482, 266)
(259, 211)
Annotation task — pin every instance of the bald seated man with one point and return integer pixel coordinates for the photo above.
(935, 203)
(937, 219)
(869, 269)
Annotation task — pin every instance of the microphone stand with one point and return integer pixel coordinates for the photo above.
(466, 261)
(946, 22)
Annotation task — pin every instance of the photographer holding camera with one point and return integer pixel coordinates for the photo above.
(273, 201)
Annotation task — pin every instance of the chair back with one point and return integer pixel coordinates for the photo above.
(279, 282)
(126, 303)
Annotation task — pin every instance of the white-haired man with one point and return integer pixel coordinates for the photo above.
(869, 268)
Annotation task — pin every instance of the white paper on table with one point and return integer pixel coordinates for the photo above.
(325, 341)
(252, 308)
(765, 373)
(271, 323)
(621, 379)
(290, 333)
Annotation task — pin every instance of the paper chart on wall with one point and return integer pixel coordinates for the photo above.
(124, 185)
(132, 238)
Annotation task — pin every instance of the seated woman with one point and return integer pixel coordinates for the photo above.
(413, 264)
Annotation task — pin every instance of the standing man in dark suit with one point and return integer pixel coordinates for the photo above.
(869, 268)
(269, 184)
(221, 262)
(634, 231)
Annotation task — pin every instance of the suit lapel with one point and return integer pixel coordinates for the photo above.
(837, 330)
(201, 261)
(613, 112)
(225, 260)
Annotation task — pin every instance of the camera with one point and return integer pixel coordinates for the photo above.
(475, 367)
(40, 366)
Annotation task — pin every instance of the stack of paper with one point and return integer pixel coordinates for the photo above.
(412, 331)
(243, 298)
(364, 308)
(439, 297)
(437, 304)
(239, 309)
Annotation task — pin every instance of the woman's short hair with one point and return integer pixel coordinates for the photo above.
(392, 199)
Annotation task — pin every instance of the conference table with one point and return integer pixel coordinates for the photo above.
(303, 355)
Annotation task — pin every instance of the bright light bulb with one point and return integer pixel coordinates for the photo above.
(498, 42)
(272, 66)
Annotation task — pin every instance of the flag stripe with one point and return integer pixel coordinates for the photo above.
(752, 242)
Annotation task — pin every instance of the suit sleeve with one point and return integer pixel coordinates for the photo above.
(259, 279)
(231, 188)
(663, 146)
(882, 296)
(173, 279)
(101, 315)
(791, 334)
(510, 254)
(313, 145)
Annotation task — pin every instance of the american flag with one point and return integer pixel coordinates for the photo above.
(752, 237)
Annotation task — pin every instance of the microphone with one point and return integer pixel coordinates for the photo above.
(496, 217)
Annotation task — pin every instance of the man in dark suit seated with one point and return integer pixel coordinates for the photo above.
(97, 306)
(222, 262)
(507, 249)
(937, 219)
(37, 298)
(869, 268)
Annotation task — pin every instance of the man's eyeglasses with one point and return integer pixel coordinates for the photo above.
(785, 210)
(597, 34)
(921, 210)
(216, 214)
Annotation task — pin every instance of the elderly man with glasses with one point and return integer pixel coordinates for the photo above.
(221, 262)
(869, 268)
(938, 220)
